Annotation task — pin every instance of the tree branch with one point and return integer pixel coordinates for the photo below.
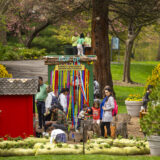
(114, 31)
(35, 32)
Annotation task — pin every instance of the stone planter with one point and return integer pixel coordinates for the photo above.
(133, 107)
(154, 144)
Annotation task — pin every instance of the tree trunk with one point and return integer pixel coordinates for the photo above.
(127, 59)
(132, 34)
(100, 43)
(30, 38)
(158, 54)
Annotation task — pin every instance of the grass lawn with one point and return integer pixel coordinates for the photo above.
(80, 157)
(122, 93)
(139, 73)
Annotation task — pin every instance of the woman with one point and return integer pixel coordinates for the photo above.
(107, 112)
(103, 101)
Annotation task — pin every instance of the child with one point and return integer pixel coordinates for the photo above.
(82, 114)
(80, 45)
(96, 112)
(58, 135)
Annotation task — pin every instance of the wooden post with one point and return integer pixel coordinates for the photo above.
(83, 140)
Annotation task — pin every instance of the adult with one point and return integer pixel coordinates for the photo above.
(146, 97)
(107, 112)
(60, 122)
(63, 98)
(96, 89)
(104, 100)
(80, 45)
(58, 135)
(49, 98)
(87, 40)
(74, 43)
(40, 101)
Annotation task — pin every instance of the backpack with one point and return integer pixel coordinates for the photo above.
(55, 101)
(115, 109)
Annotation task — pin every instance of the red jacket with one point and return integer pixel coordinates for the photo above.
(96, 113)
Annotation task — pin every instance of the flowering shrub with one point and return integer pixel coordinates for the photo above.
(154, 79)
(134, 97)
(4, 73)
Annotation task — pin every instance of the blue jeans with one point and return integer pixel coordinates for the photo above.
(41, 111)
(61, 138)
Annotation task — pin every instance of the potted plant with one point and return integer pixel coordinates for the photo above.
(150, 123)
(133, 104)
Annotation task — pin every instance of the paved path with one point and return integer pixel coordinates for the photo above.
(27, 68)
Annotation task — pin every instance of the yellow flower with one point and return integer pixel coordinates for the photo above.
(4, 73)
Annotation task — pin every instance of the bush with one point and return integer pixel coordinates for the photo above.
(154, 79)
(4, 73)
(20, 53)
(150, 123)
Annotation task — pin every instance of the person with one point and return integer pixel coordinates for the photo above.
(82, 115)
(87, 44)
(57, 119)
(96, 112)
(96, 88)
(63, 98)
(58, 135)
(103, 101)
(48, 101)
(80, 45)
(87, 40)
(40, 101)
(74, 43)
(146, 97)
(107, 112)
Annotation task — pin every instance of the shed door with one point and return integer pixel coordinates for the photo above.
(16, 116)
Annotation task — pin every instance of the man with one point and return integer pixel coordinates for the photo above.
(40, 101)
(60, 122)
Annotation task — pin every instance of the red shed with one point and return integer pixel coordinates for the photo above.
(17, 106)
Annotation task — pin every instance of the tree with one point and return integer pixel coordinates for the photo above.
(3, 9)
(100, 42)
(157, 30)
(32, 16)
(135, 14)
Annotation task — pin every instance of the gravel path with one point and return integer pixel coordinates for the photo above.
(27, 68)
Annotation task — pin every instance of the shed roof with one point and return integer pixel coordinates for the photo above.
(61, 59)
(18, 86)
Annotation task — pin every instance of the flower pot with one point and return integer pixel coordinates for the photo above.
(133, 107)
(154, 144)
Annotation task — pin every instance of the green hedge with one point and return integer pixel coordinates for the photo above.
(18, 52)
